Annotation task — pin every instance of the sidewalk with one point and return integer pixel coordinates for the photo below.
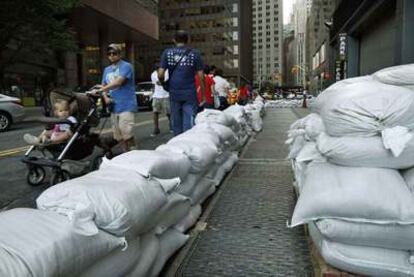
(246, 233)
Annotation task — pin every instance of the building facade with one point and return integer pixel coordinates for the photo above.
(317, 41)
(220, 30)
(95, 24)
(369, 35)
(267, 41)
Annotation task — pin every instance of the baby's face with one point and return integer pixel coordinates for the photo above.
(62, 113)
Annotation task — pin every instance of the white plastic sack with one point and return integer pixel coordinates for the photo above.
(376, 195)
(237, 112)
(227, 136)
(206, 195)
(200, 155)
(256, 119)
(364, 152)
(216, 116)
(190, 220)
(43, 244)
(400, 75)
(109, 199)
(408, 176)
(177, 207)
(367, 109)
(150, 248)
(392, 236)
(170, 242)
(367, 261)
(118, 263)
(206, 137)
(151, 163)
(309, 153)
(188, 185)
(203, 188)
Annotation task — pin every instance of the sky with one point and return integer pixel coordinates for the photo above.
(287, 10)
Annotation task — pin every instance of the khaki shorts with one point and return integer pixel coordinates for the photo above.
(160, 105)
(122, 124)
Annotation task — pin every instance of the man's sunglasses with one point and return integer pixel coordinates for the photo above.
(112, 54)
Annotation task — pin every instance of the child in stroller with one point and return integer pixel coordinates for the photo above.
(60, 132)
(73, 152)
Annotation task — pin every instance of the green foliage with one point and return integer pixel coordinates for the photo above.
(34, 25)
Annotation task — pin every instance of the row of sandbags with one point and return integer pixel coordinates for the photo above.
(353, 165)
(284, 103)
(130, 216)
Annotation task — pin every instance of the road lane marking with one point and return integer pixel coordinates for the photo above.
(17, 150)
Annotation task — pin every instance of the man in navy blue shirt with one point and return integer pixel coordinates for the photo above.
(183, 64)
(118, 79)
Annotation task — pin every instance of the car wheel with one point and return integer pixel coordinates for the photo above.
(5, 121)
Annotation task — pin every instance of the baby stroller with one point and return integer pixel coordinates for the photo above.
(68, 160)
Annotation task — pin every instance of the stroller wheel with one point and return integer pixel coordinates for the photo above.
(35, 176)
(59, 176)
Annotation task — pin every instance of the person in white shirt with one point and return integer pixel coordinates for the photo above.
(160, 101)
(221, 87)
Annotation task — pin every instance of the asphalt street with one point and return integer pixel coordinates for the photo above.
(14, 190)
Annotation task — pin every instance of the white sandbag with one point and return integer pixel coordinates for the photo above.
(151, 163)
(364, 152)
(207, 194)
(376, 195)
(170, 242)
(216, 116)
(367, 261)
(226, 135)
(219, 170)
(177, 207)
(150, 248)
(43, 244)
(392, 236)
(296, 143)
(408, 176)
(299, 172)
(203, 188)
(309, 153)
(199, 136)
(187, 186)
(118, 263)
(367, 109)
(190, 220)
(400, 75)
(109, 199)
(255, 117)
(237, 112)
(201, 155)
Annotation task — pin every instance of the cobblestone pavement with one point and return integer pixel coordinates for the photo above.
(246, 232)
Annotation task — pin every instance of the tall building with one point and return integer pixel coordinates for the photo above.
(317, 42)
(267, 41)
(220, 30)
(301, 10)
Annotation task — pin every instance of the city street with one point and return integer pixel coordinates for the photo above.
(15, 192)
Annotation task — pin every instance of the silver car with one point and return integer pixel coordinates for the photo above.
(11, 111)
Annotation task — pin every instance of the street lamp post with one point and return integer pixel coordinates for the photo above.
(304, 103)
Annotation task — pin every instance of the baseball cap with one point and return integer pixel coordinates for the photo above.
(115, 47)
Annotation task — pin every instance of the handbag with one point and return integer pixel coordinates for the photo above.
(165, 85)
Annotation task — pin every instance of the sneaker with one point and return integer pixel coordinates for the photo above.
(155, 133)
(32, 140)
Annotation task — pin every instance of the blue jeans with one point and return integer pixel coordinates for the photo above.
(182, 115)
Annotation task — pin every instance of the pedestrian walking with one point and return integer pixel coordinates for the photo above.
(182, 63)
(160, 100)
(242, 94)
(222, 87)
(118, 90)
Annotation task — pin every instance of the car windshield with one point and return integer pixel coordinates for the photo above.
(145, 87)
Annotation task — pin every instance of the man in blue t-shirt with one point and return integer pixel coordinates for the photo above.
(118, 79)
(183, 64)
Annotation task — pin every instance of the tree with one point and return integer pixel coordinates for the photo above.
(34, 26)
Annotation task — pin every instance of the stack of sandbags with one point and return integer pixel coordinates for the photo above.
(238, 113)
(402, 75)
(44, 243)
(129, 217)
(359, 207)
(283, 103)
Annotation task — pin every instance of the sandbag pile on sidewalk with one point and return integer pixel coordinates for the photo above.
(286, 103)
(130, 216)
(356, 187)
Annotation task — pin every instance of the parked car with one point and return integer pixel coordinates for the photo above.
(144, 92)
(11, 111)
